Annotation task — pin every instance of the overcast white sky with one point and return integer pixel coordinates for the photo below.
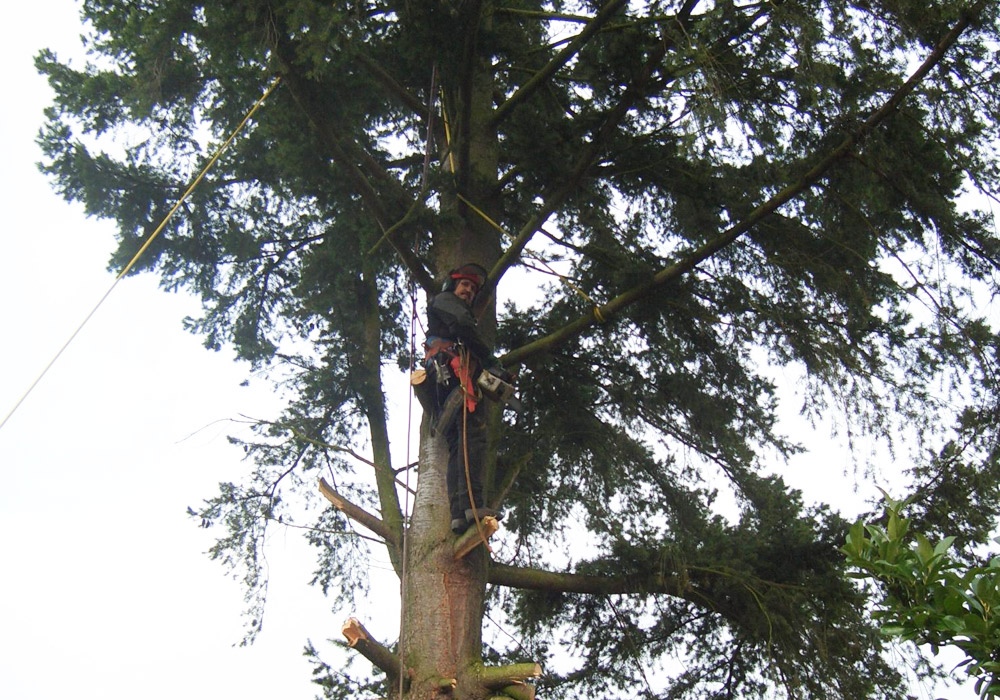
(105, 592)
(104, 588)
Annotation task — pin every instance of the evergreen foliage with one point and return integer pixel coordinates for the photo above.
(728, 189)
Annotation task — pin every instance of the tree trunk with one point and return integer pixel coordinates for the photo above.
(441, 634)
(443, 595)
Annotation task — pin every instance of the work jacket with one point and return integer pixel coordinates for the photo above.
(450, 321)
(450, 318)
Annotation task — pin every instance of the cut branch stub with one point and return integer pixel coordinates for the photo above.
(471, 538)
(354, 631)
(448, 684)
(359, 640)
(504, 677)
(519, 691)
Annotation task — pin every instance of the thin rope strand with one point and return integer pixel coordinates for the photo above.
(143, 249)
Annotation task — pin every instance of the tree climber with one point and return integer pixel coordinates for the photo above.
(455, 357)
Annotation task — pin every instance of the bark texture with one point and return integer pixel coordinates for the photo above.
(442, 596)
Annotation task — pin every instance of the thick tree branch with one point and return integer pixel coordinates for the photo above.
(697, 586)
(539, 580)
(728, 237)
(540, 78)
(373, 400)
(517, 691)
(358, 514)
(543, 15)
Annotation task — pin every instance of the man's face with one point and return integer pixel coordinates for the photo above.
(466, 290)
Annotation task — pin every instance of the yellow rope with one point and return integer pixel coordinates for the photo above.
(483, 214)
(447, 134)
(566, 280)
(142, 250)
(198, 179)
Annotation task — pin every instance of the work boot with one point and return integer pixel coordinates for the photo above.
(459, 525)
(483, 513)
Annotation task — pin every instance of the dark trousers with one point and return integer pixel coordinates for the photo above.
(473, 427)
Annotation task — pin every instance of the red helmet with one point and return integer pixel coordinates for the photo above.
(470, 271)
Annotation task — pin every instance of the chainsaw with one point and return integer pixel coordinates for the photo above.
(495, 388)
